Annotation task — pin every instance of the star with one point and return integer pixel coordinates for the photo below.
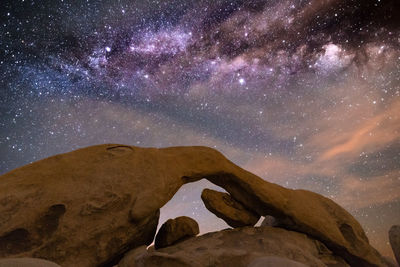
(294, 91)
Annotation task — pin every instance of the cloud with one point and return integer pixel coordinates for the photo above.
(373, 134)
(356, 164)
(374, 192)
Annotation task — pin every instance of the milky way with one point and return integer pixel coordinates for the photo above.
(304, 93)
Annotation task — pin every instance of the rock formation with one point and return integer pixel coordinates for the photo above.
(73, 209)
(236, 247)
(394, 238)
(91, 205)
(228, 209)
(175, 230)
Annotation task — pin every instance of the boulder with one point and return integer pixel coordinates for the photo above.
(100, 201)
(239, 247)
(26, 262)
(176, 230)
(394, 238)
(228, 209)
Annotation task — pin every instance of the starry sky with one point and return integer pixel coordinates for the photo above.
(303, 93)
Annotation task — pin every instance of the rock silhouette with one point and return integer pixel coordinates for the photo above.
(90, 206)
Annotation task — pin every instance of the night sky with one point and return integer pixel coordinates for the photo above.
(303, 93)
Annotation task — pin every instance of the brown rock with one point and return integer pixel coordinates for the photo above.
(394, 238)
(176, 230)
(73, 209)
(228, 209)
(238, 247)
(98, 186)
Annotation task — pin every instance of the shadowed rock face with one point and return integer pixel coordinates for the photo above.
(228, 209)
(112, 193)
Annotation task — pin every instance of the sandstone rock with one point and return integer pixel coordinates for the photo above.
(228, 209)
(238, 247)
(303, 211)
(26, 262)
(394, 238)
(175, 230)
(87, 193)
(74, 208)
(275, 261)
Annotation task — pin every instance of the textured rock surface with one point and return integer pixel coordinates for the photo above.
(394, 238)
(74, 208)
(27, 262)
(274, 262)
(175, 230)
(85, 196)
(237, 247)
(228, 209)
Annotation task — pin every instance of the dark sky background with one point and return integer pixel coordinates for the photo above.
(304, 93)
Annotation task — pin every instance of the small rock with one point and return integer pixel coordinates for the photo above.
(275, 261)
(175, 230)
(394, 238)
(228, 209)
(26, 262)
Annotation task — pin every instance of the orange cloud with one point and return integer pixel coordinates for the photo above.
(373, 134)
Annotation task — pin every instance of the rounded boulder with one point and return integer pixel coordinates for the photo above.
(176, 230)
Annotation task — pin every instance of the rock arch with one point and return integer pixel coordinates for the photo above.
(125, 187)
